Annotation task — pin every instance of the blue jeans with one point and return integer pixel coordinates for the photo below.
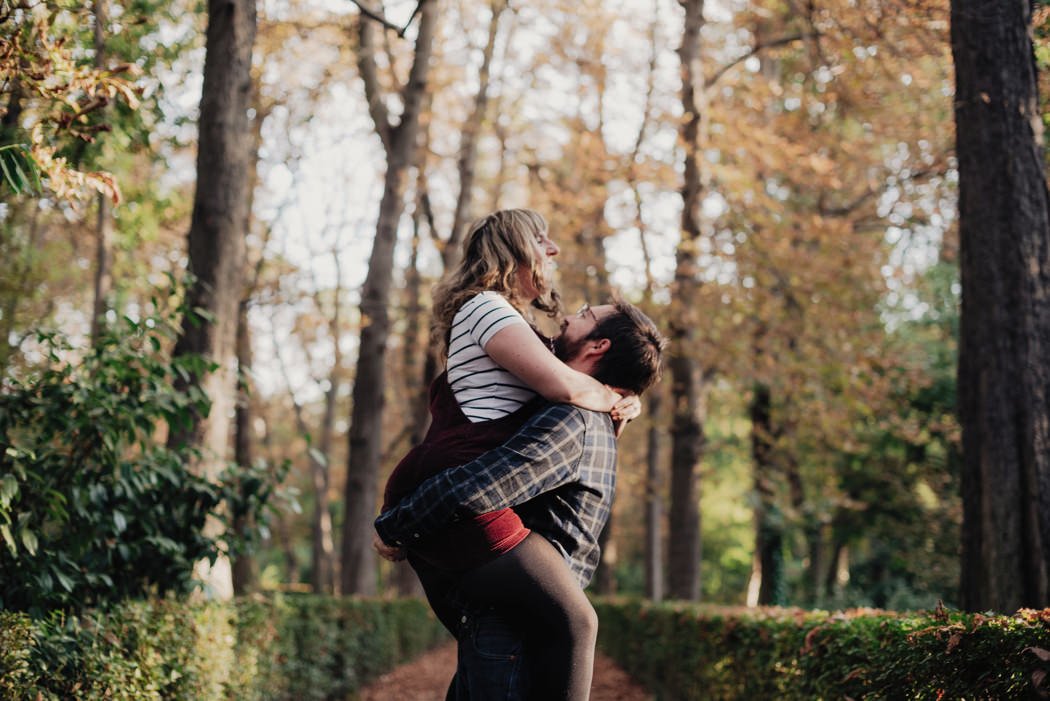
(490, 665)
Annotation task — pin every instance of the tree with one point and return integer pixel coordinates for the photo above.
(217, 229)
(104, 224)
(687, 375)
(399, 142)
(1004, 351)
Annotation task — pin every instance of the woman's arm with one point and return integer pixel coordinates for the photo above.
(517, 349)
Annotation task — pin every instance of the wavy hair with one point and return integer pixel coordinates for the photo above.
(493, 249)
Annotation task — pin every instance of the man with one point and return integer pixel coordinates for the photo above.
(558, 472)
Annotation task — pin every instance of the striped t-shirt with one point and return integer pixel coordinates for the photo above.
(484, 390)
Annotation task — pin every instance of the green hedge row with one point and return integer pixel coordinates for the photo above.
(280, 647)
(683, 652)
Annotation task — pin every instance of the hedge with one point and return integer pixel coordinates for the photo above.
(682, 652)
(280, 647)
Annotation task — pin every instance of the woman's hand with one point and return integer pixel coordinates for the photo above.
(387, 552)
(628, 408)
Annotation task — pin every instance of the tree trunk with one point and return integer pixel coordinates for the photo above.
(415, 348)
(358, 573)
(322, 555)
(245, 569)
(468, 149)
(104, 220)
(217, 232)
(768, 574)
(687, 381)
(1004, 348)
(654, 503)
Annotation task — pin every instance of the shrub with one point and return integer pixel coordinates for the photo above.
(92, 507)
(276, 648)
(684, 652)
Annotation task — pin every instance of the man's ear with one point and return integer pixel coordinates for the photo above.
(598, 347)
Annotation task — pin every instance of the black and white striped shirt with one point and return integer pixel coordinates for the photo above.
(484, 390)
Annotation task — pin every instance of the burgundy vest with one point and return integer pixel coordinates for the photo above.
(453, 440)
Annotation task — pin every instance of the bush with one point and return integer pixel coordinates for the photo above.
(92, 507)
(281, 647)
(684, 652)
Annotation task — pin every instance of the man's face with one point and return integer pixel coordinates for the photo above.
(576, 328)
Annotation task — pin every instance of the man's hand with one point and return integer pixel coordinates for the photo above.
(387, 552)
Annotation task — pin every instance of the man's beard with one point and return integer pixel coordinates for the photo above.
(565, 350)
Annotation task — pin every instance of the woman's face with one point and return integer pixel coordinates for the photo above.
(544, 251)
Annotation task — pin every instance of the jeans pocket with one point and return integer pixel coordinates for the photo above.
(491, 662)
(495, 640)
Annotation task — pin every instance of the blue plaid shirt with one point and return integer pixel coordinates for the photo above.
(559, 471)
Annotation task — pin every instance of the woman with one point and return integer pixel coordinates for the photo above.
(499, 370)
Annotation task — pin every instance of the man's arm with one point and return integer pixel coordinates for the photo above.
(542, 456)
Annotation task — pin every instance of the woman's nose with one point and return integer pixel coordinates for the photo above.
(552, 249)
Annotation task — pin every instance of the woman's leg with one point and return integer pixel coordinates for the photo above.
(533, 583)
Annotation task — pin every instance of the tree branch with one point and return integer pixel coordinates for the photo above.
(366, 65)
(387, 23)
(756, 49)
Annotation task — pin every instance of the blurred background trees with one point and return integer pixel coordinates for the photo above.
(774, 182)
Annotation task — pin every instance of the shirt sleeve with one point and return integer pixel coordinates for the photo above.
(542, 456)
(484, 315)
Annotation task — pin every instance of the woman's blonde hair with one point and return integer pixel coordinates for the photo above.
(493, 249)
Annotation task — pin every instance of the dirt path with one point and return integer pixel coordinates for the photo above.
(427, 678)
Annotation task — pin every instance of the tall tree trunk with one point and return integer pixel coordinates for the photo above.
(322, 555)
(323, 560)
(417, 340)
(468, 148)
(103, 220)
(358, 575)
(415, 349)
(654, 503)
(217, 232)
(687, 381)
(768, 564)
(1004, 348)
(245, 570)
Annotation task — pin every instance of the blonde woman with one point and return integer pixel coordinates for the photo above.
(499, 371)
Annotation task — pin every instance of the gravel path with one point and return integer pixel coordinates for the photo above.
(427, 678)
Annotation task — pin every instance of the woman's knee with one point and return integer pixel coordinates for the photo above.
(583, 619)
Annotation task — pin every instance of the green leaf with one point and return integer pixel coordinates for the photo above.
(5, 531)
(319, 457)
(20, 171)
(29, 541)
(65, 581)
(8, 489)
(120, 521)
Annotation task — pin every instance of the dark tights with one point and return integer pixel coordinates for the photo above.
(533, 583)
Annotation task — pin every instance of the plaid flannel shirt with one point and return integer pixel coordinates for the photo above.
(559, 471)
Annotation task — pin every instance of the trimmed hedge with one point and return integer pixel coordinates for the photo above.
(281, 647)
(683, 652)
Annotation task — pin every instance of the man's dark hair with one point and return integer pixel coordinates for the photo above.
(635, 351)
